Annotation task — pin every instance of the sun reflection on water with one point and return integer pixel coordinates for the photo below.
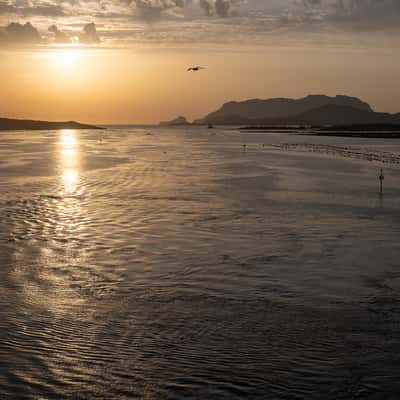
(69, 159)
(59, 220)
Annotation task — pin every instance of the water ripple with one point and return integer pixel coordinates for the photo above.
(174, 265)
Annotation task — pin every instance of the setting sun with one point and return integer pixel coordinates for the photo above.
(65, 58)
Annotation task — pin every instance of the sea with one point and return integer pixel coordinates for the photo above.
(194, 263)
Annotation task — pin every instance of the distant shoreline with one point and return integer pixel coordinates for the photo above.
(383, 131)
(10, 124)
(371, 135)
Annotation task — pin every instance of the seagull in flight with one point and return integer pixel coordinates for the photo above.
(195, 69)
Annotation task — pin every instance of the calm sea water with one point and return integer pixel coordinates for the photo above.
(178, 264)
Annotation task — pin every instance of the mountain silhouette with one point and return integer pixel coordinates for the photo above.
(9, 124)
(332, 114)
(312, 109)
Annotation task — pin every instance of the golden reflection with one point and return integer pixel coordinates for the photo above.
(69, 159)
(70, 178)
(60, 219)
(68, 139)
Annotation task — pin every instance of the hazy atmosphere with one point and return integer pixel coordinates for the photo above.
(121, 61)
(199, 199)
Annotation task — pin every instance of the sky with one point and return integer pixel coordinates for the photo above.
(125, 61)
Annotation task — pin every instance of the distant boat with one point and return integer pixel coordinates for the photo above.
(210, 126)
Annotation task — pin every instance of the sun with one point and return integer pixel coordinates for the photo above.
(66, 58)
(62, 60)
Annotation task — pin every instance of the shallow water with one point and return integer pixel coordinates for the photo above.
(175, 264)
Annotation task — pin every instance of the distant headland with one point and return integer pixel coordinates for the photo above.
(316, 110)
(9, 124)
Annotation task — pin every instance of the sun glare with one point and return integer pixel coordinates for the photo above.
(65, 58)
(68, 139)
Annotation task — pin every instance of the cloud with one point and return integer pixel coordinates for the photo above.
(200, 21)
(207, 6)
(20, 34)
(89, 34)
(155, 9)
(353, 14)
(6, 7)
(16, 34)
(221, 8)
(59, 36)
(224, 8)
(143, 9)
(32, 8)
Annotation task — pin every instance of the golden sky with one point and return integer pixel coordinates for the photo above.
(126, 62)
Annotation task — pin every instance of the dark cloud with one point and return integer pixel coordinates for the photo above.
(354, 14)
(89, 34)
(59, 36)
(147, 9)
(221, 8)
(20, 34)
(16, 34)
(6, 7)
(45, 10)
(32, 8)
(155, 9)
(207, 6)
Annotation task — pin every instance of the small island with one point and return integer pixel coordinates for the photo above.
(175, 122)
(9, 124)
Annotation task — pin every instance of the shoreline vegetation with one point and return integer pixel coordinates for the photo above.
(10, 124)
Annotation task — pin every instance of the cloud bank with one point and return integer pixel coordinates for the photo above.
(356, 14)
(17, 34)
(176, 21)
(137, 8)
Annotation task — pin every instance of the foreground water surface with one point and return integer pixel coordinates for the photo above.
(178, 264)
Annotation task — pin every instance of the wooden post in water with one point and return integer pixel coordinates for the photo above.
(381, 179)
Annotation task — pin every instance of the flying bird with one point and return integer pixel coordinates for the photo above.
(195, 69)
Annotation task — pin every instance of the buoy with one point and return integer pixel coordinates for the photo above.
(381, 179)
